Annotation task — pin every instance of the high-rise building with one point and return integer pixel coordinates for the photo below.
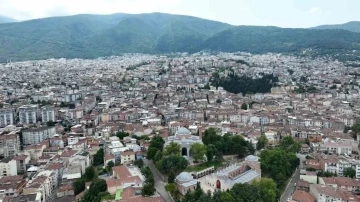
(27, 114)
(6, 117)
(47, 114)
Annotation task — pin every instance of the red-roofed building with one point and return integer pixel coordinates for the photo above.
(302, 196)
(125, 176)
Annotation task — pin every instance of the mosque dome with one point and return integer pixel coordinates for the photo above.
(183, 131)
(184, 177)
(252, 158)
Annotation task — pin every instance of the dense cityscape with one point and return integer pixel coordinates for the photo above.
(180, 127)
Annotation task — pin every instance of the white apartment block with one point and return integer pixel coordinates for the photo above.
(336, 148)
(36, 135)
(27, 114)
(8, 167)
(6, 117)
(47, 114)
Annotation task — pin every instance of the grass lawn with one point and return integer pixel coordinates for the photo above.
(202, 166)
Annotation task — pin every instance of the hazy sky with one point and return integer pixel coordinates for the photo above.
(283, 13)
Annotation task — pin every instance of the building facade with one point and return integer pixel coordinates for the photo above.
(6, 117)
(47, 114)
(35, 136)
(27, 114)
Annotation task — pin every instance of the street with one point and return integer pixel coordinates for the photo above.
(296, 177)
(159, 184)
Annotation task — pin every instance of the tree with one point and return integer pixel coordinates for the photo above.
(158, 156)
(218, 101)
(226, 196)
(262, 142)
(50, 124)
(121, 135)
(278, 164)
(90, 173)
(210, 152)
(171, 188)
(349, 172)
(268, 189)
(79, 186)
(172, 149)
(171, 176)
(96, 191)
(246, 192)
(110, 165)
(157, 142)
(289, 144)
(198, 151)
(244, 106)
(210, 136)
(151, 152)
(175, 163)
(148, 189)
(355, 130)
(99, 157)
(139, 163)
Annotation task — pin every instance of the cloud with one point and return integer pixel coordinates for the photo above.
(314, 10)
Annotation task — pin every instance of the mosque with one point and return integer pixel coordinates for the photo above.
(185, 139)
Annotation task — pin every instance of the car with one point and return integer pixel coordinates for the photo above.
(288, 199)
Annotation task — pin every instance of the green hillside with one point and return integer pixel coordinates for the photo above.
(91, 36)
(350, 26)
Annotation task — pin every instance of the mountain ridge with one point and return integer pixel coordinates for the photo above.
(92, 36)
(353, 26)
(4, 19)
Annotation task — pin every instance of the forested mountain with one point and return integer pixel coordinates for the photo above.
(4, 19)
(91, 36)
(353, 26)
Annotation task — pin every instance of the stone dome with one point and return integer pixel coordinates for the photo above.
(184, 177)
(252, 158)
(183, 131)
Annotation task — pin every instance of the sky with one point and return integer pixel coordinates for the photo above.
(282, 13)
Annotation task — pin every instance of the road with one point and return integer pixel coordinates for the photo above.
(296, 177)
(159, 184)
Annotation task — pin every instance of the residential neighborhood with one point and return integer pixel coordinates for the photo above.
(63, 120)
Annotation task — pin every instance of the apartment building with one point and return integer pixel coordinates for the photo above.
(27, 114)
(11, 186)
(21, 162)
(47, 114)
(9, 145)
(8, 167)
(37, 189)
(36, 135)
(6, 117)
(127, 157)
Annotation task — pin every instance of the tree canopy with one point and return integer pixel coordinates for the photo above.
(289, 144)
(349, 172)
(228, 144)
(198, 151)
(278, 164)
(244, 84)
(99, 157)
(172, 149)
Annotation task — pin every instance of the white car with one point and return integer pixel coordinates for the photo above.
(288, 199)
